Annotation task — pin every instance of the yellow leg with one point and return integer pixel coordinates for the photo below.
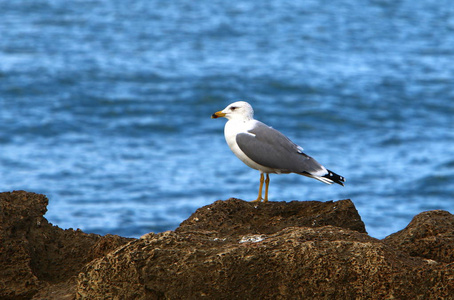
(267, 183)
(259, 198)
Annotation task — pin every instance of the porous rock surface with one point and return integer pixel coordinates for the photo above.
(38, 259)
(227, 250)
(235, 216)
(238, 250)
(430, 235)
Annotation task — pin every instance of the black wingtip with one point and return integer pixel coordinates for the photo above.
(335, 178)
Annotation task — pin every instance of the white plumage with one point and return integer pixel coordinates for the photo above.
(266, 149)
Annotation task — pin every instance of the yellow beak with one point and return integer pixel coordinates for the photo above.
(217, 114)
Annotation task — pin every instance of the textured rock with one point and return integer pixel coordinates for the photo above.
(35, 255)
(234, 249)
(229, 249)
(235, 216)
(295, 263)
(430, 235)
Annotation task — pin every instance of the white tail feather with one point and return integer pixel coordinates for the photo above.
(322, 179)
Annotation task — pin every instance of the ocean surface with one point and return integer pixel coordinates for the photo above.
(105, 105)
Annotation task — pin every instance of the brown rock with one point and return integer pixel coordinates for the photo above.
(35, 255)
(234, 249)
(229, 249)
(430, 235)
(295, 263)
(235, 216)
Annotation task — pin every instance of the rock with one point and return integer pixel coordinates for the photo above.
(229, 249)
(234, 249)
(235, 216)
(430, 235)
(295, 263)
(36, 256)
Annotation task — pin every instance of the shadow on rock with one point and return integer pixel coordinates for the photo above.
(36, 256)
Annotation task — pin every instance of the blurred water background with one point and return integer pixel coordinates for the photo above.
(105, 105)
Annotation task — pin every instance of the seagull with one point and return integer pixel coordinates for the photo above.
(265, 149)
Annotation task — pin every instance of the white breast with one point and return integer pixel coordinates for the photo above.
(231, 129)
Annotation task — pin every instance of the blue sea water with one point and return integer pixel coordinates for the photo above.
(105, 105)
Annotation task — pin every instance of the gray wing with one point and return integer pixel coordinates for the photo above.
(270, 148)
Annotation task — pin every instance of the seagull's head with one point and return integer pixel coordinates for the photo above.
(240, 110)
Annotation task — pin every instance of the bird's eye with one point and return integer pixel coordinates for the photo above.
(233, 107)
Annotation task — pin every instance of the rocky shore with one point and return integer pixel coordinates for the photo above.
(230, 249)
